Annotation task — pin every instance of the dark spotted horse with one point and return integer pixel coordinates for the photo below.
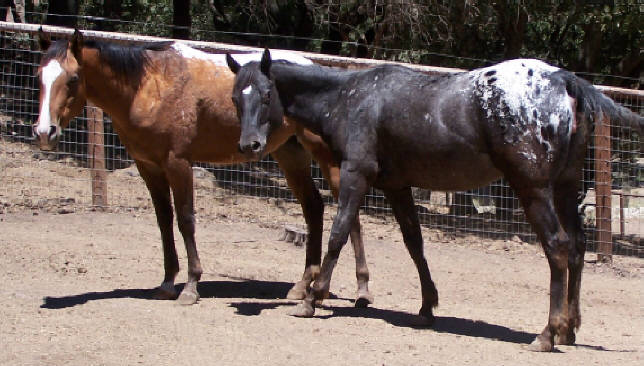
(171, 106)
(394, 128)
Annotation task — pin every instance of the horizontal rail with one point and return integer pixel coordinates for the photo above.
(216, 47)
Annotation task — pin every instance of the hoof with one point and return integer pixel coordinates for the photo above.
(541, 345)
(320, 296)
(426, 317)
(363, 300)
(303, 310)
(161, 293)
(565, 339)
(188, 298)
(296, 293)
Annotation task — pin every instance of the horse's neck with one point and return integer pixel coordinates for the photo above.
(105, 90)
(307, 92)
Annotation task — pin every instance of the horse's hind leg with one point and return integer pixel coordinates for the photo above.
(402, 203)
(160, 193)
(566, 204)
(296, 165)
(540, 211)
(363, 297)
(179, 174)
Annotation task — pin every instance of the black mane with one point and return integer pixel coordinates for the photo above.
(127, 61)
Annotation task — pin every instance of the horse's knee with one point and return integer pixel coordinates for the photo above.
(367, 168)
(557, 250)
(186, 223)
(362, 273)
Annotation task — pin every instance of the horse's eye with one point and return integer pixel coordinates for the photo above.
(266, 98)
(73, 79)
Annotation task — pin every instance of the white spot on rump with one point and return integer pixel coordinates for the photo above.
(522, 88)
(49, 74)
(247, 90)
(554, 121)
(518, 80)
(243, 58)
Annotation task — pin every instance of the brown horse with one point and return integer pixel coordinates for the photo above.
(171, 106)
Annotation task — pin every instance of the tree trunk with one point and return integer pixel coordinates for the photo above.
(62, 13)
(512, 21)
(590, 49)
(112, 9)
(181, 19)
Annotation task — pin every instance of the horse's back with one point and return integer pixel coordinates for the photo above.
(514, 117)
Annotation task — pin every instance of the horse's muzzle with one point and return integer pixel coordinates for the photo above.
(47, 141)
(252, 150)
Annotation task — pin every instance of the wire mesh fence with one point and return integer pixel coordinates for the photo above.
(91, 162)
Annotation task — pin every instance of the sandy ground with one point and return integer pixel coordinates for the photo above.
(77, 288)
(76, 291)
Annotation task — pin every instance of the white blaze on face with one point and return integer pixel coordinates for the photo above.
(49, 74)
(247, 90)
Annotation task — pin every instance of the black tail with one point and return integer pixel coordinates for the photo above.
(591, 101)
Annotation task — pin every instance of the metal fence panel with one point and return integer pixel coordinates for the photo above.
(34, 179)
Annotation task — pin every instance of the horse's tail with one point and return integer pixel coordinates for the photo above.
(591, 102)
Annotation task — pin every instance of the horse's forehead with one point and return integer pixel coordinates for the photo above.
(51, 71)
(247, 90)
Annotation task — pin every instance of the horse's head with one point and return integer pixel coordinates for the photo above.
(62, 87)
(258, 106)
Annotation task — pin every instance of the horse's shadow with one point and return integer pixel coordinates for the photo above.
(276, 290)
(241, 288)
(452, 325)
(272, 290)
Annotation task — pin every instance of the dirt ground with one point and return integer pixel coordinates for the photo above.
(77, 288)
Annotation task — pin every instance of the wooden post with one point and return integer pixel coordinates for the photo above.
(96, 152)
(603, 189)
(622, 225)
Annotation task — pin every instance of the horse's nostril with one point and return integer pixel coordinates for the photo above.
(256, 146)
(52, 131)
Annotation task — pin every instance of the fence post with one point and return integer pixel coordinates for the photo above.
(603, 189)
(96, 152)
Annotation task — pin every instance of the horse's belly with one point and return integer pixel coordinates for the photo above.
(443, 174)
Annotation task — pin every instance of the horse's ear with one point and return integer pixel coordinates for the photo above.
(76, 44)
(265, 64)
(232, 64)
(43, 40)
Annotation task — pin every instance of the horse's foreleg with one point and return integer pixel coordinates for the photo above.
(332, 174)
(566, 204)
(402, 203)
(160, 193)
(353, 187)
(540, 211)
(179, 174)
(296, 165)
